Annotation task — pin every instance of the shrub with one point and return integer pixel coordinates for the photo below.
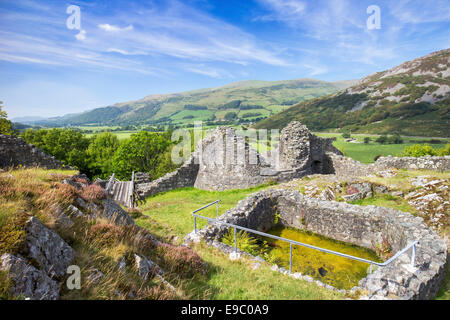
(230, 116)
(395, 139)
(366, 140)
(93, 192)
(382, 139)
(419, 150)
(105, 234)
(444, 151)
(82, 181)
(346, 135)
(245, 242)
(64, 194)
(181, 260)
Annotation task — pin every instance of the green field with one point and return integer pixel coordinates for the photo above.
(121, 135)
(366, 153)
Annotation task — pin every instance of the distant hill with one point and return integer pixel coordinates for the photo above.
(26, 120)
(252, 100)
(411, 99)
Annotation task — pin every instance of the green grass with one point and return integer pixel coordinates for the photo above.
(366, 153)
(236, 280)
(174, 208)
(386, 201)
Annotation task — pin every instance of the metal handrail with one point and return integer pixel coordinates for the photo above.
(208, 205)
(293, 242)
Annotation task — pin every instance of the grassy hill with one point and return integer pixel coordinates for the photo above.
(410, 99)
(250, 100)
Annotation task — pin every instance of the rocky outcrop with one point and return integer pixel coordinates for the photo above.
(146, 267)
(363, 226)
(47, 249)
(27, 281)
(113, 212)
(15, 152)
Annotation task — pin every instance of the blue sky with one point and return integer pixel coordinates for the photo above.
(130, 49)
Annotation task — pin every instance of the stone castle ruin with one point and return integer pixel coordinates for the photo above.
(225, 160)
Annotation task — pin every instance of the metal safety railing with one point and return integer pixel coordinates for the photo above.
(292, 242)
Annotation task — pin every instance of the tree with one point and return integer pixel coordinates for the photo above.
(67, 145)
(346, 135)
(101, 151)
(230, 116)
(395, 139)
(5, 124)
(142, 152)
(382, 139)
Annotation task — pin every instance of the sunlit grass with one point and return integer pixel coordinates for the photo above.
(174, 208)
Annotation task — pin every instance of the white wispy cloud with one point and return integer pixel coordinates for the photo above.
(112, 28)
(208, 71)
(288, 11)
(417, 12)
(316, 69)
(174, 31)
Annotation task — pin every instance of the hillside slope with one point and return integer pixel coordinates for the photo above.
(411, 99)
(248, 99)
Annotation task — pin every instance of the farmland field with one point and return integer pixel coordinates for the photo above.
(366, 153)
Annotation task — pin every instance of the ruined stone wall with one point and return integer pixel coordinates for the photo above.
(349, 168)
(346, 167)
(227, 161)
(363, 226)
(181, 178)
(413, 163)
(16, 152)
(301, 150)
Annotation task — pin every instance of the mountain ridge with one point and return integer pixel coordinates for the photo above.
(262, 97)
(412, 98)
